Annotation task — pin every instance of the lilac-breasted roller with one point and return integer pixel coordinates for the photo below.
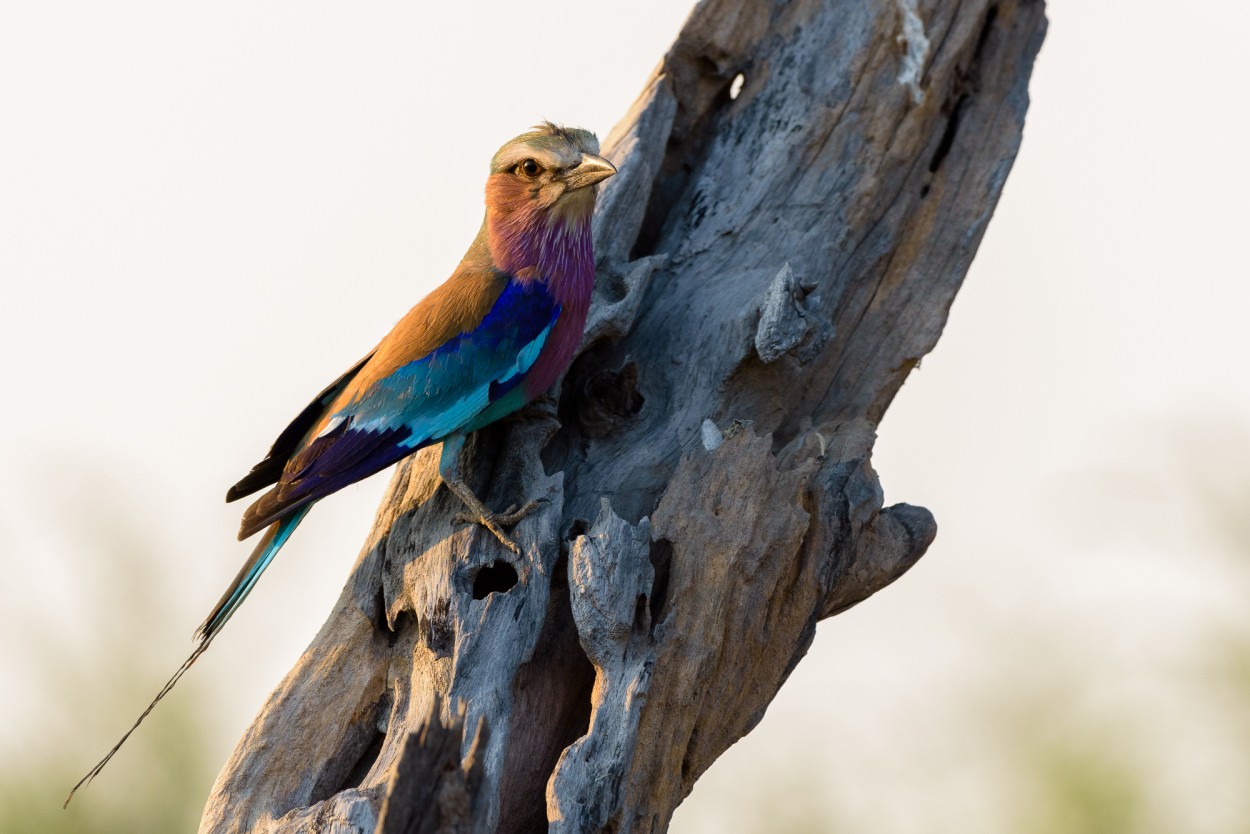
(492, 338)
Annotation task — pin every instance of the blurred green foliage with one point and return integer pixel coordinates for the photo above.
(1076, 781)
(157, 784)
(86, 690)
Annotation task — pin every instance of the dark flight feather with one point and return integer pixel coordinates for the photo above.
(341, 459)
(269, 470)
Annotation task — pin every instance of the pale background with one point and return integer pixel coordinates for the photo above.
(207, 212)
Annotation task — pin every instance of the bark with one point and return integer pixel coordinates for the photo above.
(771, 267)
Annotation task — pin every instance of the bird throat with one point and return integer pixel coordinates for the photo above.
(555, 247)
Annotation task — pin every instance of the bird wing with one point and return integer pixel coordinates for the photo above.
(380, 419)
(269, 470)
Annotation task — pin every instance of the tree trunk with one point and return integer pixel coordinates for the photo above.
(772, 264)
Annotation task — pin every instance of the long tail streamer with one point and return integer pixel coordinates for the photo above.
(95, 771)
(274, 538)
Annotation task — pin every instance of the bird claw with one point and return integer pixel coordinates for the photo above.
(494, 522)
(514, 514)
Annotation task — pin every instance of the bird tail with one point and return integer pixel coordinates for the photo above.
(266, 549)
(269, 545)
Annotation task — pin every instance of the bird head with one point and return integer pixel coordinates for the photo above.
(549, 174)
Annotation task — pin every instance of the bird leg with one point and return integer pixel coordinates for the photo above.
(479, 513)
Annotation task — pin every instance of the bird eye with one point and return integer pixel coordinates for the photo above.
(529, 168)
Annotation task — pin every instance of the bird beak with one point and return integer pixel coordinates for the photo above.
(590, 170)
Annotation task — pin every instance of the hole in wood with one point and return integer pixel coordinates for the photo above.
(642, 615)
(499, 577)
(609, 399)
(577, 528)
(661, 556)
(379, 613)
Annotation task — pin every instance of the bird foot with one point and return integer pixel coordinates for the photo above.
(495, 522)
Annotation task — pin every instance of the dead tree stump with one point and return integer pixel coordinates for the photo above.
(772, 264)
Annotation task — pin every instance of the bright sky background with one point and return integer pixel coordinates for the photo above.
(207, 212)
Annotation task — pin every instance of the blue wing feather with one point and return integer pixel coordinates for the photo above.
(421, 402)
(443, 391)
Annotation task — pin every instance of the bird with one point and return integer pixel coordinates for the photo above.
(492, 338)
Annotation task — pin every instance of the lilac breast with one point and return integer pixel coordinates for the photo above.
(566, 260)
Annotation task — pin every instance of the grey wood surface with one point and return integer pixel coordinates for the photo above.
(771, 267)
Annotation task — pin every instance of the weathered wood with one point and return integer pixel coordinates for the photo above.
(433, 787)
(771, 267)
